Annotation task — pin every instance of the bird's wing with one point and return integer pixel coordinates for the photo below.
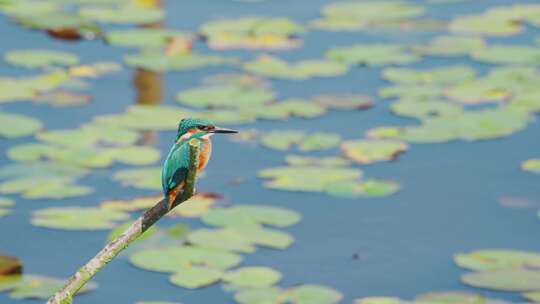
(175, 167)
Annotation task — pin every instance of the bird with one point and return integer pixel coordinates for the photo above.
(176, 165)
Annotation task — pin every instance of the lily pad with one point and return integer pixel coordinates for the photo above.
(5, 204)
(314, 294)
(228, 96)
(146, 178)
(40, 58)
(372, 54)
(145, 38)
(425, 109)
(252, 33)
(306, 178)
(16, 125)
(449, 46)
(344, 102)
(378, 300)
(299, 160)
(157, 61)
(77, 218)
(368, 188)
(196, 206)
(251, 277)
(277, 68)
(371, 151)
(440, 76)
(10, 266)
(251, 216)
(285, 139)
(222, 239)
(452, 297)
(261, 295)
(196, 277)
(510, 279)
(174, 258)
(531, 165)
(485, 24)
(36, 287)
(491, 259)
(508, 54)
(123, 14)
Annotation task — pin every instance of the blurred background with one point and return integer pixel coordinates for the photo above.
(388, 150)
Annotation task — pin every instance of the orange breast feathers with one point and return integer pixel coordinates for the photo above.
(204, 155)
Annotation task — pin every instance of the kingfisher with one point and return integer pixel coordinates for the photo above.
(176, 165)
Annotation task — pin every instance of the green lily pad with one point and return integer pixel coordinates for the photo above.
(368, 188)
(175, 258)
(261, 295)
(485, 24)
(533, 296)
(277, 68)
(448, 297)
(299, 160)
(144, 38)
(490, 259)
(412, 91)
(123, 14)
(531, 165)
(196, 277)
(425, 109)
(63, 98)
(449, 46)
(508, 54)
(229, 96)
(252, 33)
(40, 58)
(440, 76)
(281, 140)
(477, 91)
(5, 204)
(157, 61)
(77, 218)
(384, 133)
(371, 151)
(344, 102)
(156, 302)
(223, 239)
(360, 15)
(286, 108)
(372, 54)
(146, 178)
(378, 300)
(314, 294)
(16, 125)
(197, 206)
(510, 279)
(10, 266)
(35, 286)
(251, 216)
(306, 178)
(284, 140)
(319, 141)
(251, 277)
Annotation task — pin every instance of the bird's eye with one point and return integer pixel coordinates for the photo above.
(205, 128)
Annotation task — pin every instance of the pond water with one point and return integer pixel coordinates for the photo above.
(399, 245)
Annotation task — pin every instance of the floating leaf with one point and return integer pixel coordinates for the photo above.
(5, 204)
(508, 54)
(145, 38)
(451, 46)
(281, 140)
(307, 178)
(344, 102)
(174, 258)
(40, 58)
(425, 109)
(252, 277)
(146, 178)
(250, 216)
(284, 140)
(196, 277)
(276, 68)
(489, 23)
(123, 14)
(63, 98)
(368, 188)
(261, 295)
(510, 279)
(298, 160)
(371, 151)
(10, 265)
(319, 141)
(372, 54)
(531, 165)
(16, 125)
(223, 239)
(77, 218)
(490, 259)
(158, 61)
(441, 76)
(451, 297)
(533, 296)
(314, 294)
(36, 287)
(228, 96)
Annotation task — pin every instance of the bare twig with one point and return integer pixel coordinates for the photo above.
(112, 249)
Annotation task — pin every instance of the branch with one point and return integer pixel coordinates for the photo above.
(112, 249)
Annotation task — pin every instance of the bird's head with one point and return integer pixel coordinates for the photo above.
(190, 128)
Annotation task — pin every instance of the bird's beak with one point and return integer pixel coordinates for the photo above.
(223, 130)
